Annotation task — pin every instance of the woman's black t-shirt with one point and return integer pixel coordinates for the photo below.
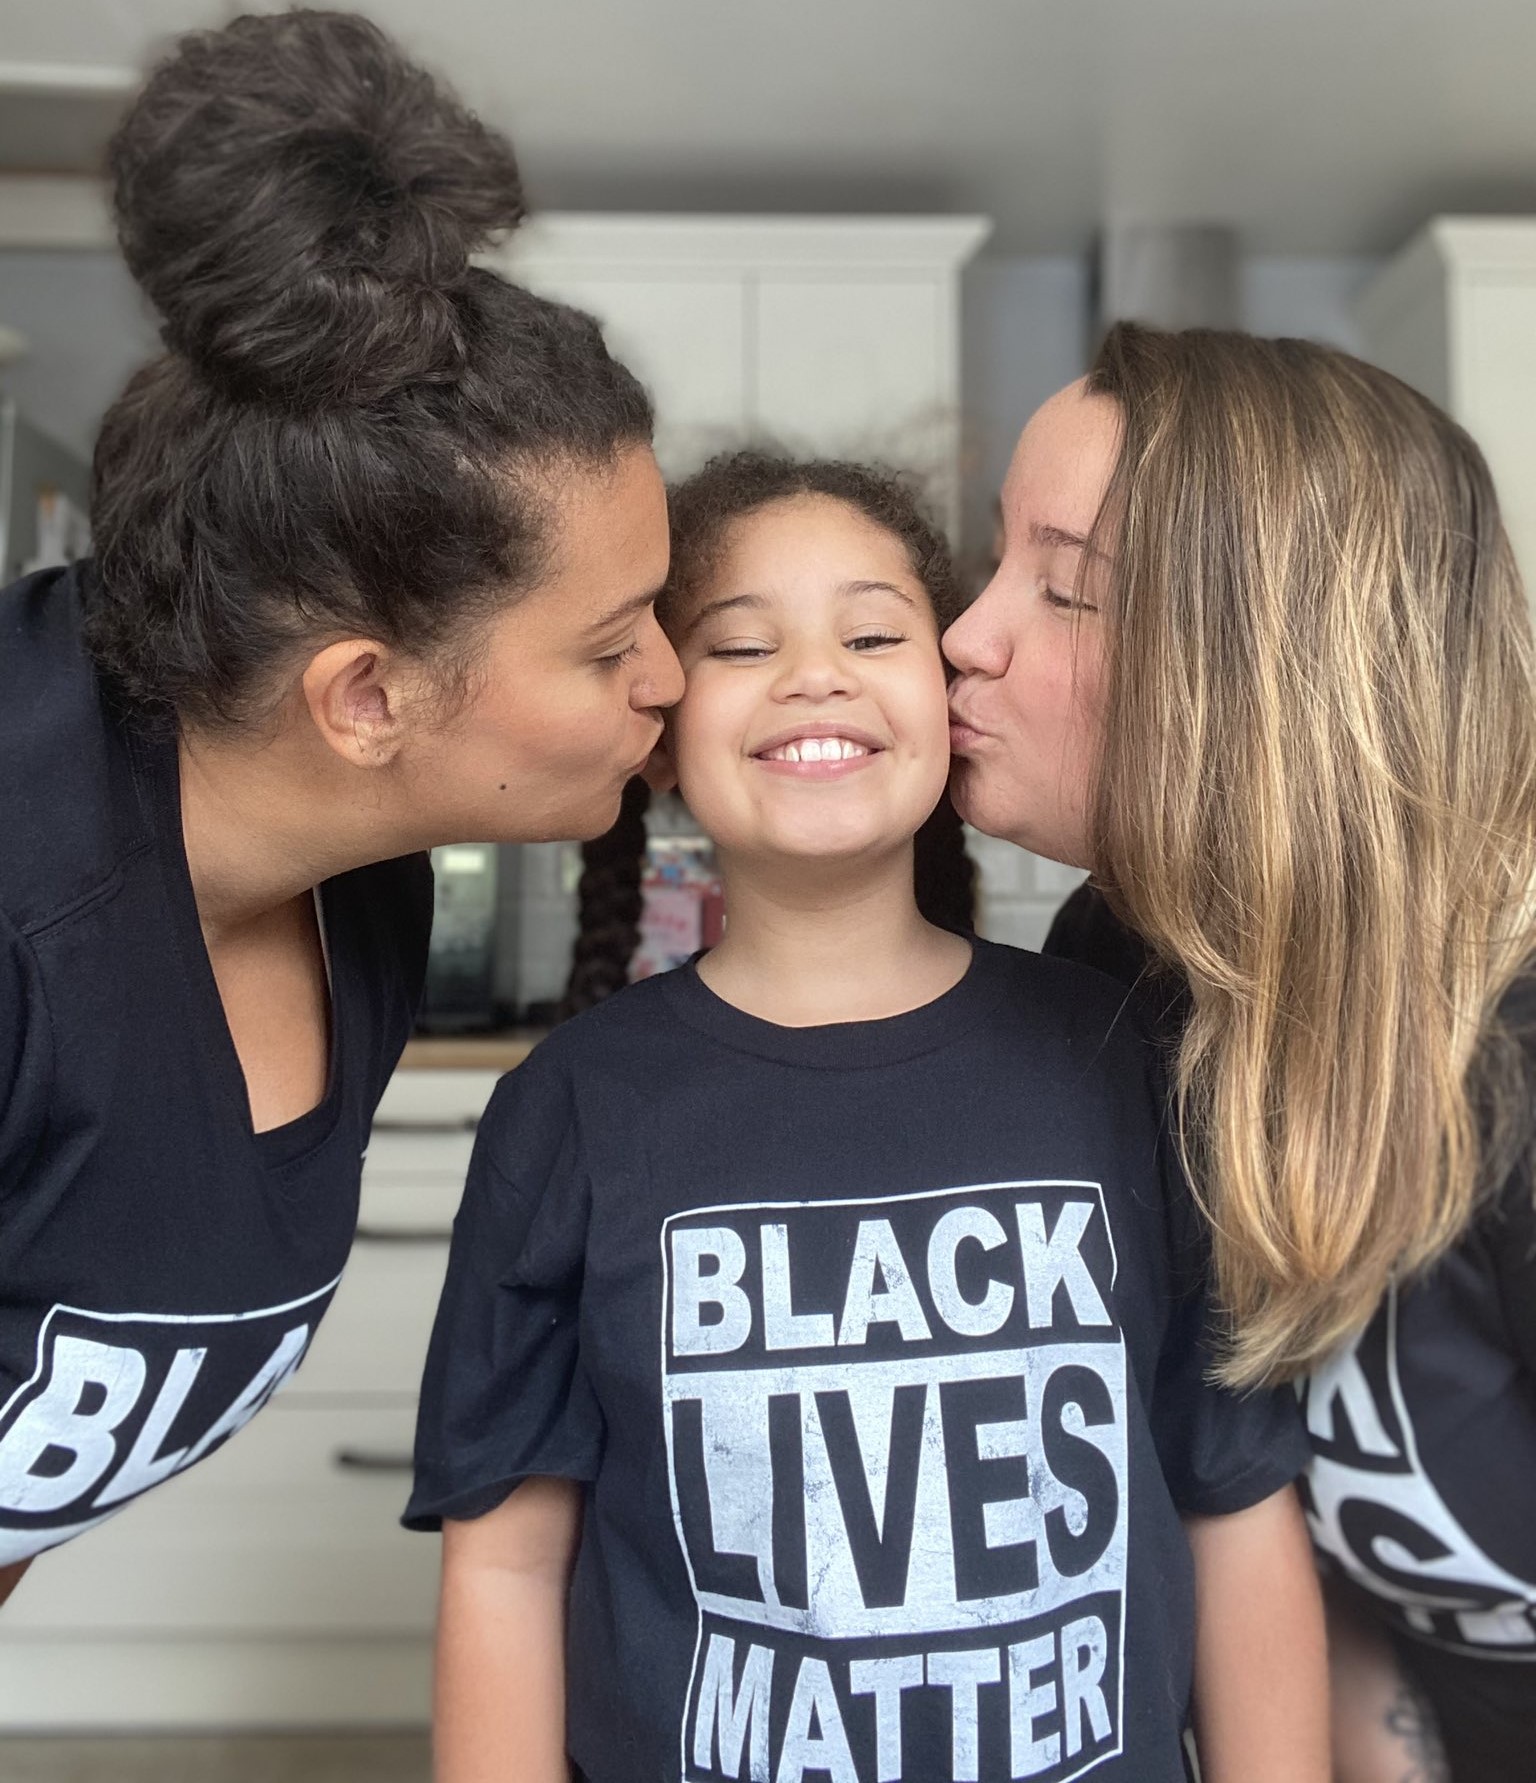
(878, 1347)
(1422, 1485)
(162, 1267)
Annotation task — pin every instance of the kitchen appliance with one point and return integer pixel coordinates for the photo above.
(461, 962)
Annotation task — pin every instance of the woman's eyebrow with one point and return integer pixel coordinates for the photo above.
(636, 604)
(1056, 536)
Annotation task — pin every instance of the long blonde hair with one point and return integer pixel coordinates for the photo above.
(1317, 798)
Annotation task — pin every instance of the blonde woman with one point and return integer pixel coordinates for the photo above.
(1257, 655)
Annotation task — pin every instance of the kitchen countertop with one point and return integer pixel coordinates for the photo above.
(470, 1052)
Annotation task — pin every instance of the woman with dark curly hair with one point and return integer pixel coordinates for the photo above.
(378, 538)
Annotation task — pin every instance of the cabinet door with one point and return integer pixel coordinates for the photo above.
(1494, 373)
(682, 335)
(860, 367)
(294, 1526)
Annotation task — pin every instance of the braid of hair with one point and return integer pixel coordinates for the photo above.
(943, 872)
(609, 903)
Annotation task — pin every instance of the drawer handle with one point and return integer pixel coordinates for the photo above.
(386, 1123)
(404, 1234)
(372, 1461)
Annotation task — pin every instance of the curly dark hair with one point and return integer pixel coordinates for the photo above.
(732, 485)
(702, 509)
(347, 430)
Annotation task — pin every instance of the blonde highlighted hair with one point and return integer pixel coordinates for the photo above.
(1317, 798)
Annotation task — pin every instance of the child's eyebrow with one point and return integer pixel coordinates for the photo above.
(863, 587)
(726, 604)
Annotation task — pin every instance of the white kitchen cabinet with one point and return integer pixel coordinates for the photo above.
(833, 335)
(1454, 314)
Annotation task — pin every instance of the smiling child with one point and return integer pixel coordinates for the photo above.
(819, 1388)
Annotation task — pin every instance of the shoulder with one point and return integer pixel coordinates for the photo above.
(1043, 992)
(1088, 931)
(612, 1049)
(69, 811)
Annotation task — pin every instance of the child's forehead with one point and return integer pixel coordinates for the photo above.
(807, 546)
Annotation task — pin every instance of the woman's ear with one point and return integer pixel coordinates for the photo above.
(660, 772)
(356, 695)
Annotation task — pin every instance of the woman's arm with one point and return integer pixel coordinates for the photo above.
(499, 1711)
(1261, 1662)
(1383, 1731)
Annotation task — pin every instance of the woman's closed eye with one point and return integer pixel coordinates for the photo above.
(1066, 603)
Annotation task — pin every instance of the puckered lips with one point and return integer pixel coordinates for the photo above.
(822, 749)
(963, 735)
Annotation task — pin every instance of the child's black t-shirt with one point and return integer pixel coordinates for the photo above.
(163, 1268)
(878, 1347)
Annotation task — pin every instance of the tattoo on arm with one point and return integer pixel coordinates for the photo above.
(1411, 1722)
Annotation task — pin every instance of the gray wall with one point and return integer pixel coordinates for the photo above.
(1026, 332)
(86, 329)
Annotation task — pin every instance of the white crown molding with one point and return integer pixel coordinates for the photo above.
(67, 79)
(70, 211)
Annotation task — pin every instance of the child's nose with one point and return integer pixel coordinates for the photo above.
(816, 672)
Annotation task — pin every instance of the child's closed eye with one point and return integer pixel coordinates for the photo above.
(876, 640)
(742, 652)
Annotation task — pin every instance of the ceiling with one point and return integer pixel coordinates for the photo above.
(1315, 126)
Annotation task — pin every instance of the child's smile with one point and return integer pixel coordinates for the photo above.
(819, 752)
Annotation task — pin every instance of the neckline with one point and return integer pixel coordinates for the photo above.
(843, 1046)
(274, 1146)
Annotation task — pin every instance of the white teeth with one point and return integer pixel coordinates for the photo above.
(817, 749)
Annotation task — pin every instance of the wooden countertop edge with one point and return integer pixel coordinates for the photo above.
(469, 1052)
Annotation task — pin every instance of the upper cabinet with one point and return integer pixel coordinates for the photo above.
(835, 335)
(1454, 314)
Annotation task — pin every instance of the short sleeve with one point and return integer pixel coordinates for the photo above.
(1221, 1451)
(25, 1058)
(504, 1396)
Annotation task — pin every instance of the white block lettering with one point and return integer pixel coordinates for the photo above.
(54, 1420)
(694, 1288)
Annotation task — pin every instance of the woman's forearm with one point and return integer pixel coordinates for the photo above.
(1261, 1669)
(499, 1710)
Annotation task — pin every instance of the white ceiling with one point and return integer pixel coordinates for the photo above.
(1316, 126)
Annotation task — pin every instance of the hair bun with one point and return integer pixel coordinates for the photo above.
(300, 204)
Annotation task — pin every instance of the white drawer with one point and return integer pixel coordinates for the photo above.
(276, 1532)
(373, 1341)
(435, 1098)
(424, 1154)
